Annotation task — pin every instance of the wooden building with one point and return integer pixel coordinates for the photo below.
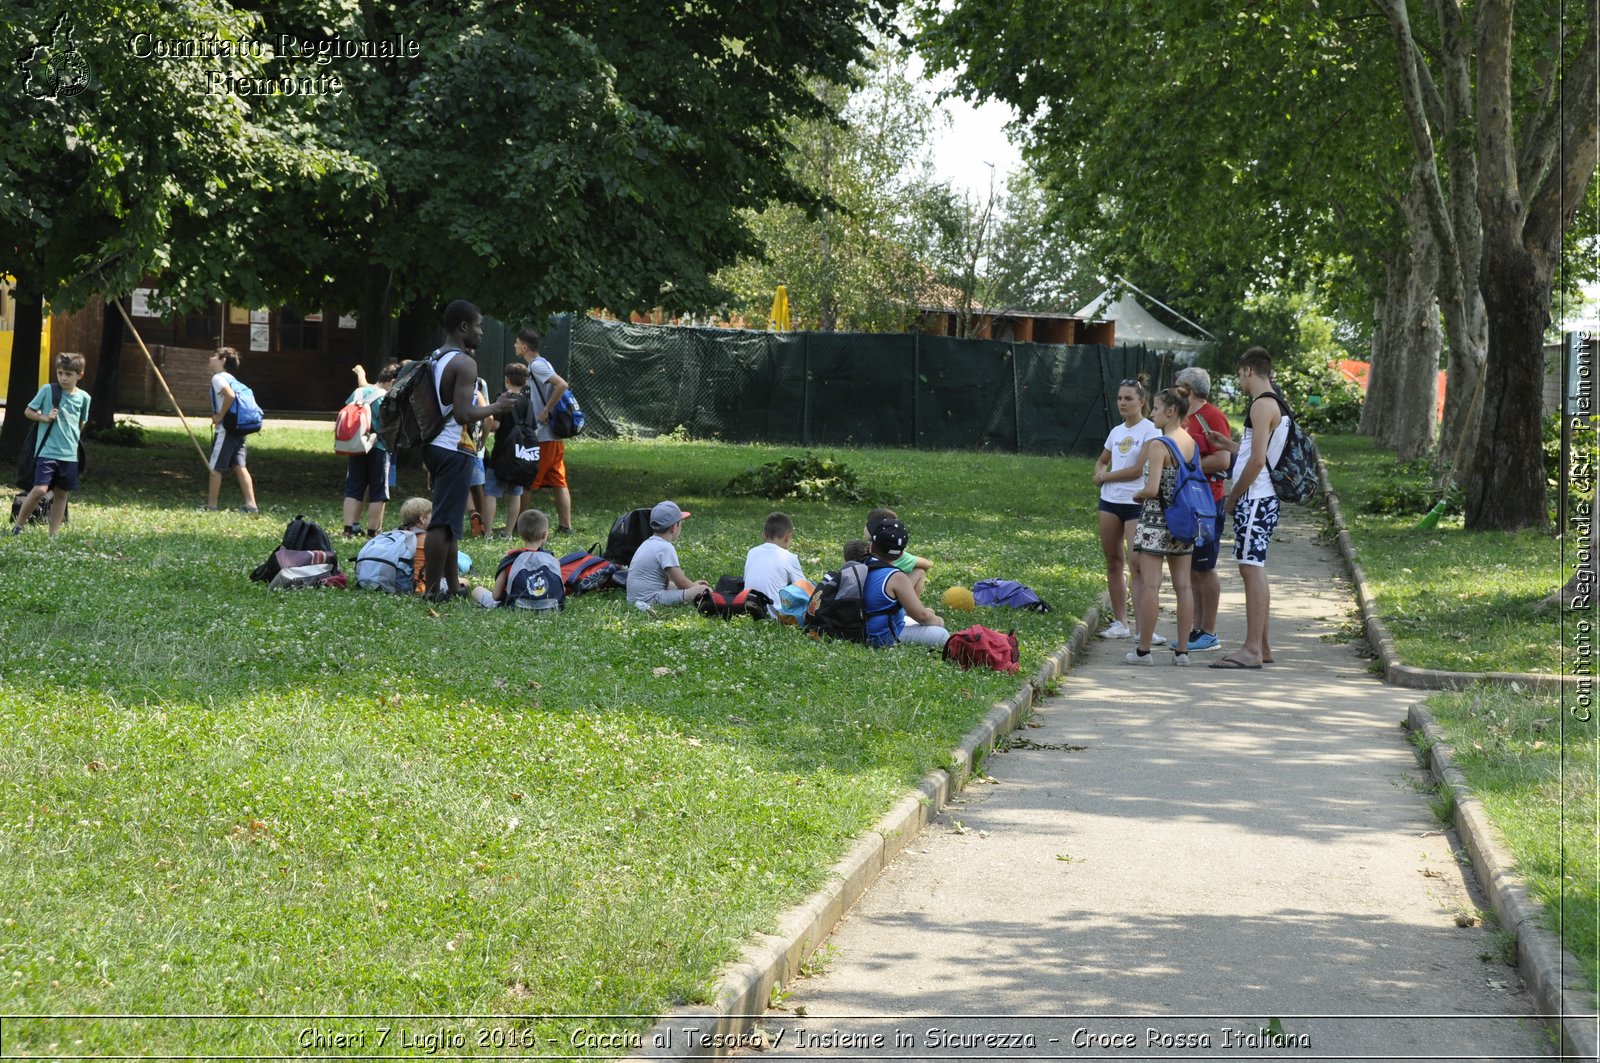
(1016, 326)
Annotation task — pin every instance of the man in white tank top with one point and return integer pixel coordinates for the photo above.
(450, 456)
(1254, 503)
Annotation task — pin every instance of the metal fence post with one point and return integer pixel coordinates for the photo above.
(916, 389)
(805, 388)
(1016, 395)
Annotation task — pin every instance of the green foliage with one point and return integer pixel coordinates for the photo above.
(125, 433)
(1585, 442)
(1323, 399)
(1408, 488)
(809, 478)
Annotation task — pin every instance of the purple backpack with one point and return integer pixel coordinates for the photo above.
(1007, 592)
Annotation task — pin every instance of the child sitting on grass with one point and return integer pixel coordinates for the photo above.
(917, 568)
(857, 550)
(771, 566)
(529, 577)
(889, 597)
(654, 577)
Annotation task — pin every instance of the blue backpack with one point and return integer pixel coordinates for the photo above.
(1192, 515)
(244, 416)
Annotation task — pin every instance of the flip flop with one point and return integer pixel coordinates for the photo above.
(1232, 664)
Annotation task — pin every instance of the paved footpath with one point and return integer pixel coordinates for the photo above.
(1201, 851)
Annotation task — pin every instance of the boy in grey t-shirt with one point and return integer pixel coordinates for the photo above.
(654, 577)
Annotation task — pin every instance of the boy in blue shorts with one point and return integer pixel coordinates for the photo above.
(55, 460)
(367, 476)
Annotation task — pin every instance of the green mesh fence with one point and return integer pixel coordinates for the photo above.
(833, 388)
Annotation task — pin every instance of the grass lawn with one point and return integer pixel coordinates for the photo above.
(1455, 600)
(1533, 765)
(217, 799)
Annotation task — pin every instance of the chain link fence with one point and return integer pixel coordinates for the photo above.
(833, 388)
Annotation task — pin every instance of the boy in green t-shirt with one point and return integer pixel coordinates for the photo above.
(915, 567)
(55, 455)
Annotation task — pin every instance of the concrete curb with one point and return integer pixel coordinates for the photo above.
(745, 988)
(1564, 1002)
(1396, 673)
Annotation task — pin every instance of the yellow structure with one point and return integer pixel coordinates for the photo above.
(8, 323)
(779, 318)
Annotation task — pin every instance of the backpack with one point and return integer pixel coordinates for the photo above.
(387, 563)
(300, 534)
(353, 432)
(727, 606)
(628, 533)
(303, 568)
(1294, 478)
(532, 581)
(41, 512)
(1192, 513)
(413, 413)
(516, 450)
(244, 417)
(979, 645)
(990, 592)
(32, 443)
(582, 572)
(838, 609)
(566, 420)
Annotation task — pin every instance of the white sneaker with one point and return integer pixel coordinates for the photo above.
(1158, 640)
(1117, 630)
(1135, 657)
(1181, 660)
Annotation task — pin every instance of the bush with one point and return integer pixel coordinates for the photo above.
(1323, 400)
(1583, 442)
(1408, 488)
(122, 434)
(808, 478)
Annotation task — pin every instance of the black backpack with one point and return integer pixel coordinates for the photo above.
(413, 413)
(628, 533)
(838, 609)
(516, 447)
(299, 534)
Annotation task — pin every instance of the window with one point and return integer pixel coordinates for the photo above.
(297, 331)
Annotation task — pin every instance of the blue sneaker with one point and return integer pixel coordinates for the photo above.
(1203, 641)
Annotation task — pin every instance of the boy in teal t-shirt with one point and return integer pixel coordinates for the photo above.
(55, 456)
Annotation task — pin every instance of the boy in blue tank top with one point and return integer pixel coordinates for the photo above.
(890, 596)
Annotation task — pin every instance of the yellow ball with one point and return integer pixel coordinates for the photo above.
(959, 598)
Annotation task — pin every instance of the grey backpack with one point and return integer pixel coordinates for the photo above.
(384, 563)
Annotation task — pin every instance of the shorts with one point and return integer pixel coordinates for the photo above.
(478, 474)
(1254, 521)
(552, 465)
(227, 451)
(1205, 557)
(452, 480)
(53, 472)
(1125, 511)
(667, 596)
(494, 488)
(367, 475)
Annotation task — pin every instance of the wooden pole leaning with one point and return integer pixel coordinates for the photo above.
(128, 321)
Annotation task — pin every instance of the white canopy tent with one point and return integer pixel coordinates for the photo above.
(1136, 326)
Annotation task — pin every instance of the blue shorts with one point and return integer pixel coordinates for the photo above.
(1125, 511)
(452, 481)
(367, 476)
(493, 486)
(1204, 558)
(53, 472)
(479, 477)
(1254, 521)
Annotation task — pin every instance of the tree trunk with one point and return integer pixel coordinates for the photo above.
(1415, 424)
(377, 319)
(1377, 412)
(24, 382)
(1506, 489)
(103, 412)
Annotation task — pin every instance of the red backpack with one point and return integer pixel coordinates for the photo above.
(582, 572)
(979, 645)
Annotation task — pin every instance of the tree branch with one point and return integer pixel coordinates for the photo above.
(1555, 201)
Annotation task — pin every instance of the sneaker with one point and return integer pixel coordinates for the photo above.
(1181, 660)
(1135, 657)
(206, 509)
(16, 531)
(1117, 630)
(563, 531)
(351, 531)
(1158, 640)
(249, 509)
(1204, 641)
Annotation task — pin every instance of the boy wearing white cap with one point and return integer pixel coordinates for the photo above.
(654, 577)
